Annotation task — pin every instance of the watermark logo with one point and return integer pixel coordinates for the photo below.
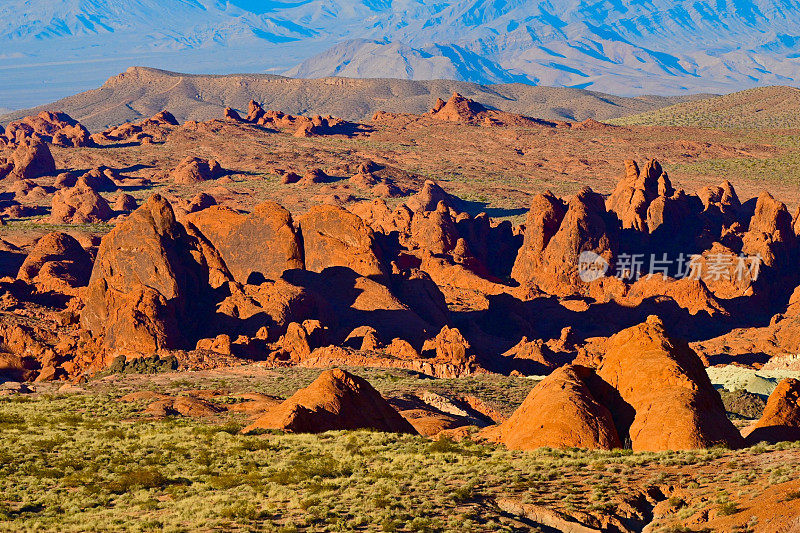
(591, 266)
(709, 268)
(713, 267)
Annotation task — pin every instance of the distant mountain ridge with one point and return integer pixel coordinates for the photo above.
(628, 48)
(141, 92)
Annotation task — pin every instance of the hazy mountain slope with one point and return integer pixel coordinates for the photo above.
(765, 107)
(361, 58)
(660, 46)
(142, 92)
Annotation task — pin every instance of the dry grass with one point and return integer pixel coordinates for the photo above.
(87, 462)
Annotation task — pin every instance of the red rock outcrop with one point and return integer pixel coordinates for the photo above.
(797, 223)
(314, 175)
(79, 205)
(434, 231)
(532, 357)
(300, 125)
(31, 159)
(195, 170)
(721, 200)
(333, 236)
(619, 403)
(53, 127)
(770, 234)
(542, 223)
(146, 288)
(125, 202)
(57, 262)
(100, 179)
(690, 294)
(401, 349)
(346, 301)
(328, 356)
(429, 198)
(781, 418)
(461, 109)
(232, 114)
(336, 400)
(449, 346)
(265, 310)
(263, 243)
(560, 412)
(634, 194)
(584, 227)
(683, 412)
(154, 129)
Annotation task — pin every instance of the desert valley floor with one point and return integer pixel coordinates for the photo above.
(275, 322)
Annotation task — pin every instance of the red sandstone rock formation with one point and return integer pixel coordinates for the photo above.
(58, 263)
(53, 127)
(461, 109)
(560, 412)
(263, 243)
(683, 411)
(125, 202)
(154, 129)
(145, 291)
(31, 159)
(584, 227)
(195, 170)
(79, 205)
(336, 400)
(333, 236)
(781, 418)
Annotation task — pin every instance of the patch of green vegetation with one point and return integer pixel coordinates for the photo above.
(36, 224)
(142, 365)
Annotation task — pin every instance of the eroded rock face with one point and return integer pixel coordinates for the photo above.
(262, 244)
(54, 127)
(560, 412)
(79, 205)
(99, 179)
(154, 129)
(57, 262)
(770, 234)
(649, 393)
(333, 236)
(337, 400)
(147, 286)
(31, 159)
(543, 221)
(349, 301)
(797, 223)
(634, 194)
(124, 202)
(195, 170)
(683, 411)
(584, 227)
(429, 197)
(434, 231)
(722, 200)
(461, 109)
(781, 418)
(449, 346)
